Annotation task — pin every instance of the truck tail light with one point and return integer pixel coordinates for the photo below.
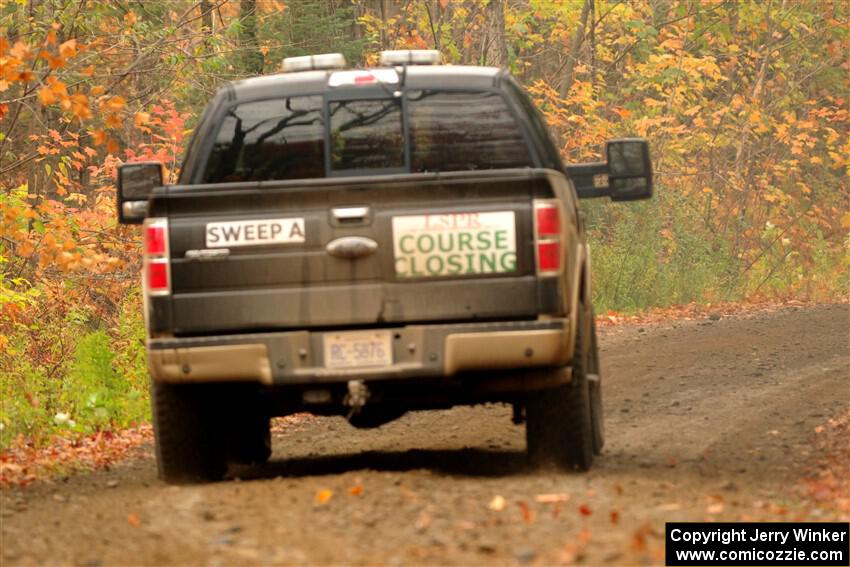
(548, 237)
(157, 267)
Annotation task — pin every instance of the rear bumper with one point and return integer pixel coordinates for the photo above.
(419, 351)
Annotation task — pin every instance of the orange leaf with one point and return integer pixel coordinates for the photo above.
(20, 50)
(88, 71)
(99, 137)
(51, 38)
(323, 496)
(115, 103)
(133, 520)
(97, 90)
(112, 146)
(585, 510)
(55, 62)
(140, 119)
(68, 49)
(356, 490)
(113, 121)
(46, 96)
(43, 150)
(527, 514)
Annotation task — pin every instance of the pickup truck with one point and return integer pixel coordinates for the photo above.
(364, 243)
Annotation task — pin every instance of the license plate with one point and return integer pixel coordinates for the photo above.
(358, 349)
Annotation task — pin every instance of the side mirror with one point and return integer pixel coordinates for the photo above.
(629, 169)
(625, 176)
(136, 182)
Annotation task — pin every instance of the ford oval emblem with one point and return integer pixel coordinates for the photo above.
(351, 247)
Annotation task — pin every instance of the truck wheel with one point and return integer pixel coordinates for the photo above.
(559, 428)
(594, 378)
(190, 446)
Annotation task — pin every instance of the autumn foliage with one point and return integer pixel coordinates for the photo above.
(745, 105)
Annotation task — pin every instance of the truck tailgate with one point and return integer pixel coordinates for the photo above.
(350, 251)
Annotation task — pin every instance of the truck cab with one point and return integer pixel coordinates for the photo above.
(364, 243)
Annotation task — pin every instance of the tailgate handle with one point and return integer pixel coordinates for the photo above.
(350, 214)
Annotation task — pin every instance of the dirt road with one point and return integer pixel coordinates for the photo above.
(705, 419)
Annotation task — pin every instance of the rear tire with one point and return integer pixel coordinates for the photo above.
(559, 425)
(594, 377)
(190, 445)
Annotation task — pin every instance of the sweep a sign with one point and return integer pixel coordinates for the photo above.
(454, 244)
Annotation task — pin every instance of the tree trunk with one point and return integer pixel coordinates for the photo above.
(206, 8)
(578, 38)
(496, 48)
(251, 60)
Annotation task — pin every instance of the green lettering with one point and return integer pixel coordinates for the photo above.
(501, 240)
(434, 268)
(464, 240)
(488, 260)
(508, 261)
(401, 244)
(484, 241)
(448, 245)
(470, 262)
(425, 238)
(455, 265)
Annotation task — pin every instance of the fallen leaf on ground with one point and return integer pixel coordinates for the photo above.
(497, 504)
(585, 510)
(133, 519)
(527, 514)
(552, 498)
(356, 490)
(323, 496)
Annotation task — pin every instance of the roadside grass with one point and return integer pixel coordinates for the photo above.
(91, 380)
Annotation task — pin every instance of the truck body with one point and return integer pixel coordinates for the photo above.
(365, 243)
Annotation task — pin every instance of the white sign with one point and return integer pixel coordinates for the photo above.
(255, 232)
(454, 244)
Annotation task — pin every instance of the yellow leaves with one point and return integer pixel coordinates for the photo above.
(754, 117)
(672, 43)
(816, 160)
(845, 220)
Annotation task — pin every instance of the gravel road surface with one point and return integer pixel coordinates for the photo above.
(707, 419)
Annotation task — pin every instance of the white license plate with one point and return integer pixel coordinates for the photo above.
(358, 349)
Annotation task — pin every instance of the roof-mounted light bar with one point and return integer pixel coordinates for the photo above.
(410, 57)
(314, 62)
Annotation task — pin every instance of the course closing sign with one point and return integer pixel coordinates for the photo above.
(454, 244)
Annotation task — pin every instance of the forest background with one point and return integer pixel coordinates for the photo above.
(745, 105)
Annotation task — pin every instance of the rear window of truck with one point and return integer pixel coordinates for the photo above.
(285, 138)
